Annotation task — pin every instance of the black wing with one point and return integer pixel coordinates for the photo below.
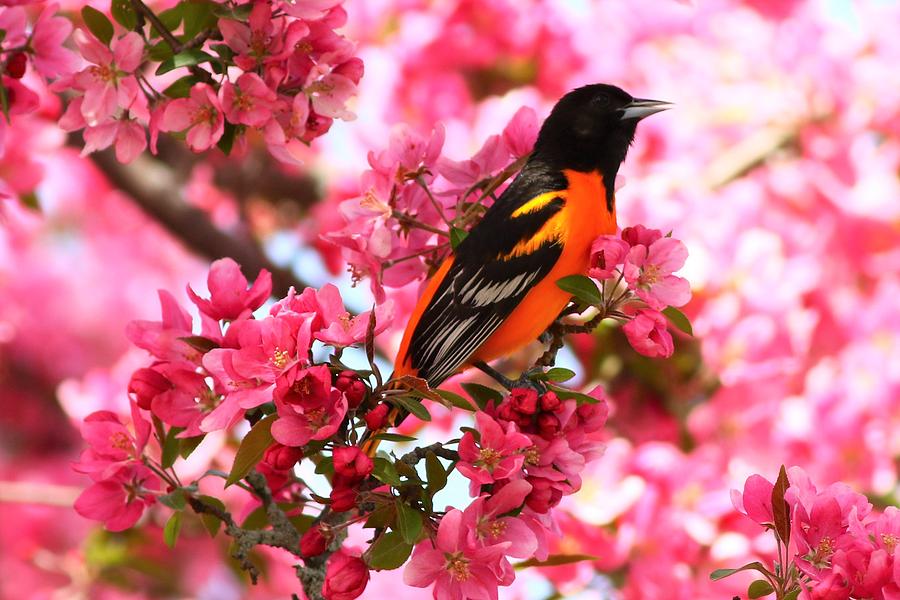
(487, 281)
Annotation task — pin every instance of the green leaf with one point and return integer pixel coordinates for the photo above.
(389, 551)
(414, 407)
(226, 142)
(723, 573)
(679, 320)
(559, 374)
(434, 470)
(759, 588)
(30, 199)
(197, 16)
(188, 445)
(793, 594)
(555, 560)
(186, 58)
(170, 448)
(409, 522)
(780, 508)
(385, 472)
(394, 437)
(456, 400)
(4, 102)
(198, 342)
(98, 24)
(582, 288)
(124, 14)
(211, 522)
(174, 499)
(251, 450)
(482, 394)
(160, 51)
(170, 18)
(567, 394)
(381, 517)
(172, 529)
(457, 235)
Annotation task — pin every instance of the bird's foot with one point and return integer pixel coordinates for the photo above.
(522, 382)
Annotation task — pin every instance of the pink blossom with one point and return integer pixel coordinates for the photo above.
(201, 113)
(229, 297)
(329, 95)
(756, 499)
(638, 235)
(521, 132)
(492, 157)
(120, 500)
(308, 407)
(648, 334)
(486, 526)
(346, 576)
(163, 338)
(285, 131)
(607, 253)
(337, 327)
(496, 455)
(648, 271)
(128, 135)
(112, 446)
(248, 102)
(108, 84)
(187, 400)
(51, 58)
(457, 568)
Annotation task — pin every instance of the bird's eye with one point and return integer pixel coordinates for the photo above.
(601, 100)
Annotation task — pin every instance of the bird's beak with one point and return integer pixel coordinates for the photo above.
(639, 108)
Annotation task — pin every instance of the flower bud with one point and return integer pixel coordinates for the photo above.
(524, 400)
(550, 402)
(548, 425)
(15, 66)
(351, 463)
(543, 495)
(376, 418)
(506, 412)
(146, 384)
(282, 457)
(343, 499)
(346, 576)
(345, 379)
(355, 393)
(314, 542)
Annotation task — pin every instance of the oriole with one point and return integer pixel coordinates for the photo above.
(497, 291)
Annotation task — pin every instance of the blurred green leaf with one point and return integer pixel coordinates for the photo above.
(389, 551)
(582, 288)
(679, 320)
(252, 449)
(759, 589)
(482, 394)
(409, 522)
(185, 58)
(98, 24)
(124, 14)
(172, 529)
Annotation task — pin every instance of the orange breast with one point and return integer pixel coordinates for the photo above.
(585, 217)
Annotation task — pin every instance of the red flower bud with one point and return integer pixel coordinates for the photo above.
(376, 417)
(345, 379)
(346, 576)
(282, 457)
(543, 495)
(351, 463)
(314, 542)
(506, 412)
(550, 402)
(355, 393)
(146, 384)
(15, 66)
(343, 499)
(524, 400)
(548, 424)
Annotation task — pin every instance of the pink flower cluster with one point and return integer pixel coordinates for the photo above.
(839, 546)
(289, 75)
(522, 458)
(206, 382)
(397, 227)
(646, 261)
(30, 54)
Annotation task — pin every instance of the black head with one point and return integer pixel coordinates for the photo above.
(591, 128)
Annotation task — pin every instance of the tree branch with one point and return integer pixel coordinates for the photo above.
(154, 189)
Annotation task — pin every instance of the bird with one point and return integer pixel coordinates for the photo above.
(496, 292)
